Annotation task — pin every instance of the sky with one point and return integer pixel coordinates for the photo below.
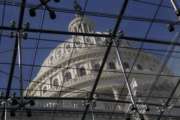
(136, 8)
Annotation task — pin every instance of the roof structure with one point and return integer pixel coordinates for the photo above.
(30, 29)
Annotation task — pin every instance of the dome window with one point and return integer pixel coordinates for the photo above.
(126, 65)
(82, 71)
(67, 76)
(139, 67)
(44, 90)
(111, 65)
(55, 83)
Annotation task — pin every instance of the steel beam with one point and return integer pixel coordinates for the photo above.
(168, 100)
(9, 82)
(105, 58)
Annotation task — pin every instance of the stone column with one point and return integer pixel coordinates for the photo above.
(82, 27)
(116, 96)
(60, 76)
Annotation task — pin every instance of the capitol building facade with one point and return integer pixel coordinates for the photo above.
(71, 69)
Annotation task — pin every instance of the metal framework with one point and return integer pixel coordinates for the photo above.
(120, 18)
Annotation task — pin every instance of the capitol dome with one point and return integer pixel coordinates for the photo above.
(76, 63)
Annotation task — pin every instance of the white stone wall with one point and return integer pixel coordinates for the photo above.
(83, 59)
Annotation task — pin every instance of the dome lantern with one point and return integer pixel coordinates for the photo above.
(80, 23)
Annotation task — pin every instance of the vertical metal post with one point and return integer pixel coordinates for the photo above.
(175, 6)
(123, 71)
(19, 38)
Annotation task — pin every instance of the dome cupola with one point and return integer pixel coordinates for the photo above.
(81, 23)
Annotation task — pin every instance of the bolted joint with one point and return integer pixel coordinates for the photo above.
(32, 102)
(32, 12)
(170, 27)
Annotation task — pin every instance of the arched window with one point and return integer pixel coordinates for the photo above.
(44, 90)
(55, 83)
(126, 65)
(139, 67)
(111, 65)
(68, 48)
(82, 71)
(85, 28)
(67, 76)
(96, 67)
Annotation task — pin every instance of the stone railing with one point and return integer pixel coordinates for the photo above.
(79, 80)
(73, 105)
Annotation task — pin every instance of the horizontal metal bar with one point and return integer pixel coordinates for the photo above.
(55, 32)
(134, 39)
(41, 111)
